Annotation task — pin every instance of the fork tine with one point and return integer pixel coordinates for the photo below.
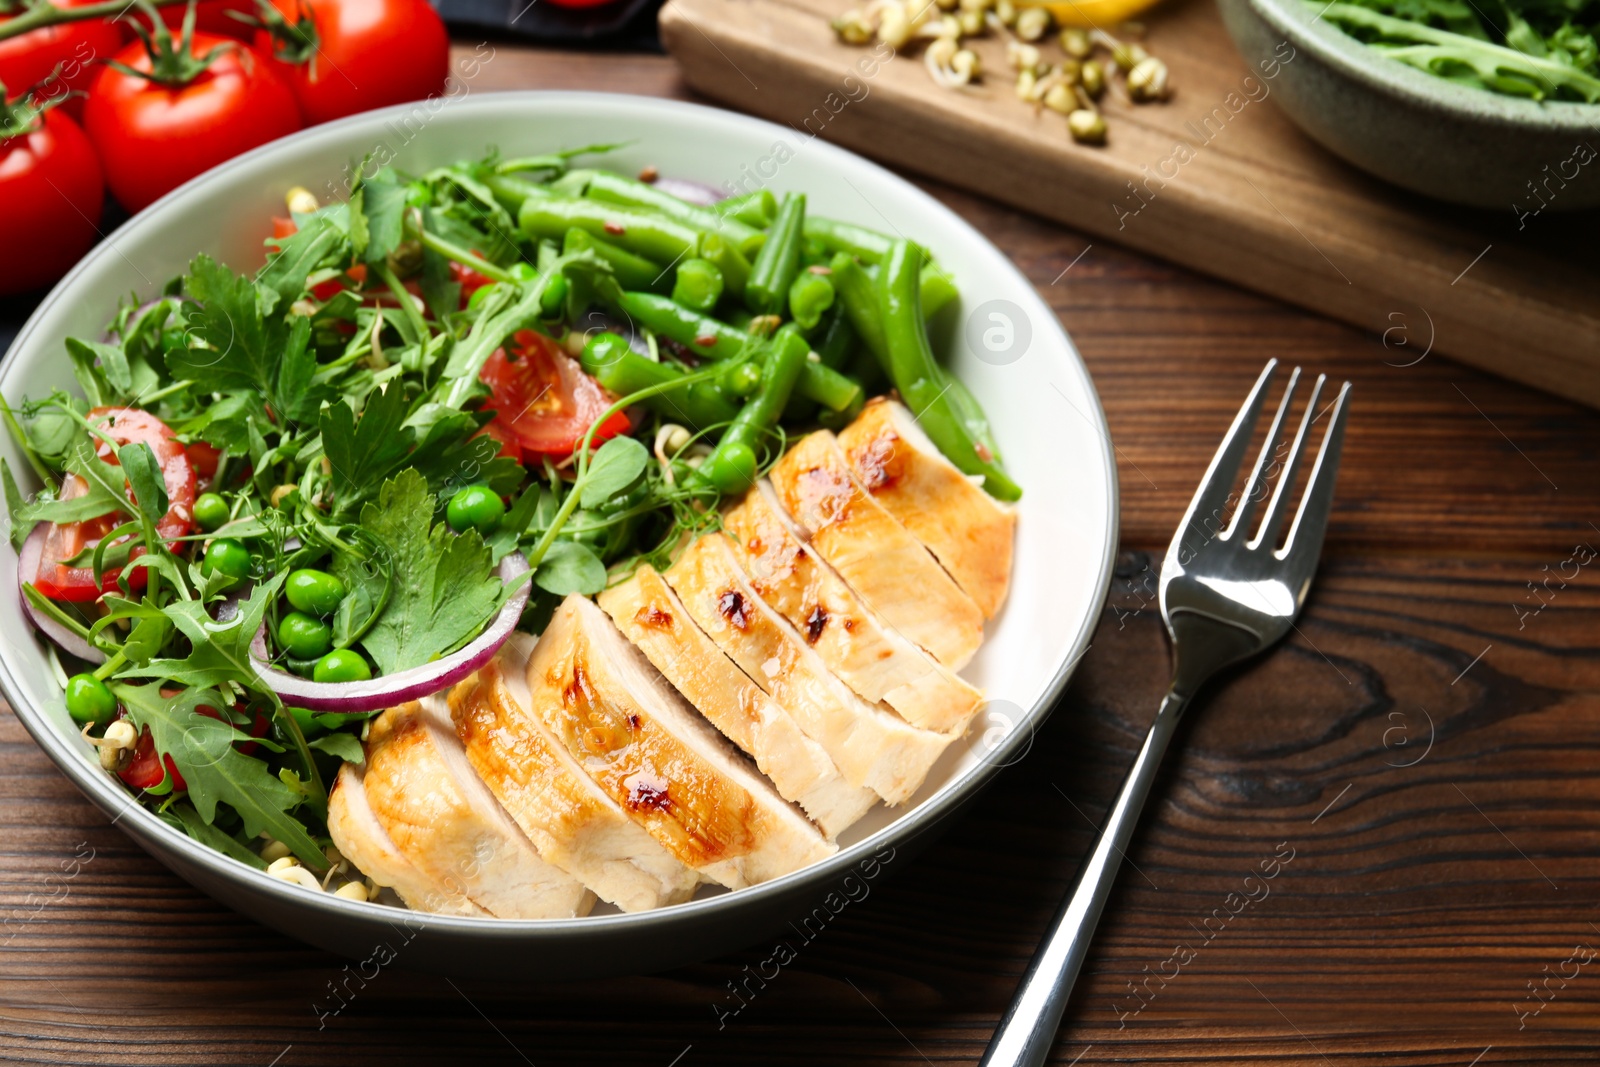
(1281, 494)
(1212, 496)
(1311, 522)
(1256, 486)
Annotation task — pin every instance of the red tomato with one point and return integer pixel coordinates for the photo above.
(145, 771)
(153, 137)
(211, 16)
(28, 60)
(368, 54)
(50, 180)
(125, 425)
(282, 228)
(203, 458)
(542, 399)
(470, 280)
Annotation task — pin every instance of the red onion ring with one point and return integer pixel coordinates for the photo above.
(28, 565)
(694, 192)
(388, 690)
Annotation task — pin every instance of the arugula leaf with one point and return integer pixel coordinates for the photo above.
(104, 491)
(445, 588)
(297, 256)
(616, 468)
(185, 818)
(384, 205)
(346, 746)
(95, 364)
(144, 475)
(21, 525)
(202, 749)
(220, 649)
(570, 567)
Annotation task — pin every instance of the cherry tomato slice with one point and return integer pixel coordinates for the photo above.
(125, 426)
(542, 399)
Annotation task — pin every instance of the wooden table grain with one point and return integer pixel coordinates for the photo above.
(1377, 845)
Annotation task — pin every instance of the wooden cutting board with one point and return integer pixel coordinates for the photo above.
(1217, 179)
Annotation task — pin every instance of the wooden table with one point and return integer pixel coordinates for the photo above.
(1416, 767)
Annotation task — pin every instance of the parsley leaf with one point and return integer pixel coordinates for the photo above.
(445, 588)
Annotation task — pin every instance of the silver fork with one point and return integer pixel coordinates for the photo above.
(1223, 599)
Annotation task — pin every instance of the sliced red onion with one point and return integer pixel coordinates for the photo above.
(28, 566)
(693, 192)
(375, 694)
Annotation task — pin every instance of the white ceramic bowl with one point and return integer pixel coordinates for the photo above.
(1021, 366)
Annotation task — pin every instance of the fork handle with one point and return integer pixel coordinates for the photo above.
(1028, 1029)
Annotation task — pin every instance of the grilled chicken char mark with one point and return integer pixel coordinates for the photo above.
(871, 658)
(888, 568)
(650, 615)
(574, 824)
(441, 816)
(967, 530)
(675, 776)
(872, 746)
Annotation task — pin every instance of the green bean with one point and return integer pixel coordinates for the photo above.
(623, 371)
(779, 260)
(869, 246)
(729, 260)
(837, 339)
(810, 294)
(650, 236)
(921, 381)
(858, 295)
(756, 209)
(731, 467)
(631, 271)
(697, 285)
(703, 335)
(819, 382)
(938, 290)
(617, 189)
(513, 192)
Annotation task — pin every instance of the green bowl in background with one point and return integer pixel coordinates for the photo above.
(1423, 133)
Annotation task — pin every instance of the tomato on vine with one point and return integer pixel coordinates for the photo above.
(51, 184)
(346, 56)
(33, 59)
(164, 110)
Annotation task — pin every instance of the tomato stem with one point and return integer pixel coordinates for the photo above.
(47, 14)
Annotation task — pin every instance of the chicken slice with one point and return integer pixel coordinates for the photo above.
(362, 840)
(573, 823)
(969, 531)
(650, 752)
(649, 614)
(874, 553)
(869, 657)
(872, 746)
(447, 823)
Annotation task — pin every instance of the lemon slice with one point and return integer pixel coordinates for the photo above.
(1094, 14)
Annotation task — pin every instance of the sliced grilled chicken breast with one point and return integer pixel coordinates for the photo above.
(969, 531)
(650, 752)
(573, 823)
(872, 746)
(649, 614)
(444, 819)
(869, 657)
(362, 840)
(887, 567)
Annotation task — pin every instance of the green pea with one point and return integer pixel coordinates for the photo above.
(739, 379)
(304, 636)
(89, 700)
(341, 665)
(477, 507)
(314, 592)
(210, 511)
(697, 284)
(480, 294)
(732, 469)
(227, 557)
